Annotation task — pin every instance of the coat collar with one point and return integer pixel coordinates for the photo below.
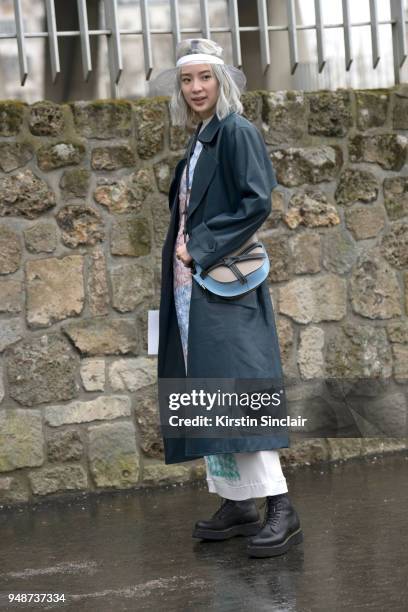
(210, 130)
(208, 133)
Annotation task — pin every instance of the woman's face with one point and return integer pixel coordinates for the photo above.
(200, 88)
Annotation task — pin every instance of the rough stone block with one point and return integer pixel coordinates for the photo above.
(387, 150)
(93, 374)
(365, 221)
(25, 195)
(330, 113)
(151, 119)
(148, 422)
(21, 439)
(58, 478)
(339, 251)
(284, 117)
(13, 155)
(130, 236)
(372, 107)
(280, 256)
(396, 197)
(132, 374)
(314, 299)
(113, 456)
(356, 352)
(97, 283)
(64, 446)
(46, 119)
(80, 225)
(11, 296)
(310, 353)
(50, 157)
(306, 252)
(55, 289)
(103, 118)
(11, 117)
(42, 369)
(252, 103)
(398, 331)
(400, 113)
(102, 408)
(11, 330)
(112, 157)
(159, 473)
(126, 195)
(374, 288)
(41, 238)
(93, 337)
(312, 209)
(394, 245)
(296, 166)
(400, 354)
(356, 186)
(12, 491)
(132, 284)
(10, 250)
(74, 183)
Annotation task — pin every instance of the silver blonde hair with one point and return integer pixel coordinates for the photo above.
(231, 82)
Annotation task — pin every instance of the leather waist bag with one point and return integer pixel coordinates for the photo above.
(237, 273)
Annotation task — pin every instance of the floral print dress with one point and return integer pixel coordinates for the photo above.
(182, 277)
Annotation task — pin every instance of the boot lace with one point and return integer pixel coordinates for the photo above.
(272, 513)
(225, 505)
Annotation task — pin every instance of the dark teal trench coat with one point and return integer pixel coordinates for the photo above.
(230, 199)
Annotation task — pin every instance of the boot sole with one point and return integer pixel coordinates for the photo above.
(246, 529)
(271, 551)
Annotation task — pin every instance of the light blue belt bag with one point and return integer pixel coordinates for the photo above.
(237, 273)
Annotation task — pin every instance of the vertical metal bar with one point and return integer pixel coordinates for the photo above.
(234, 24)
(22, 55)
(375, 42)
(114, 49)
(293, 48)
(205, 20)
(52, 39)
(319, 35)
(175, 23)
(147, 41)
(398, 31)
(348, 49)
(85, 46)
(264, 35)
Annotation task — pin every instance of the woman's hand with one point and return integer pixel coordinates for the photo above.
(184, 255)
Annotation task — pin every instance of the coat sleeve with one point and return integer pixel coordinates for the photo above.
(254, 179)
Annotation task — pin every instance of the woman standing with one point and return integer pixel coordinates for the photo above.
(219, 196)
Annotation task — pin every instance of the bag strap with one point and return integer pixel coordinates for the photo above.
(190, 152)
(234, 268)
(251, 246)
(231, 261)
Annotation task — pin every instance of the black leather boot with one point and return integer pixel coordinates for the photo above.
(232, 518)
(280, 529)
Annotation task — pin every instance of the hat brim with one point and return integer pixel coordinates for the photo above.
(164, 83)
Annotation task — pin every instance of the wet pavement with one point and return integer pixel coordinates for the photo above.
(133, 550)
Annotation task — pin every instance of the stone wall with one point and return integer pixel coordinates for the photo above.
(83, 217)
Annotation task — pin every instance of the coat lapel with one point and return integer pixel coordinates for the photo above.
(205, 167)
(175, 183)
(178, 171)
(203, 174)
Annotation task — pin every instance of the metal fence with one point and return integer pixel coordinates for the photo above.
(114, 35)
